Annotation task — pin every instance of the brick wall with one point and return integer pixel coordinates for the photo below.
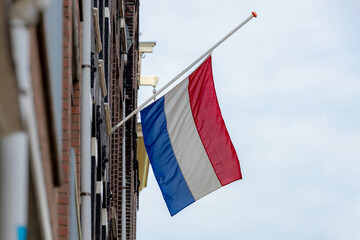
(124, 77)
(116, 102)
(131, 81)
(71, 95)
(120, 75)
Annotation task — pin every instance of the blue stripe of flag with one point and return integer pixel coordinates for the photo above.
(166, 169)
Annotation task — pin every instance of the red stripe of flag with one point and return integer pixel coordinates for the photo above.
(211, 126)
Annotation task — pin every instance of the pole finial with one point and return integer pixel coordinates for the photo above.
(254, 14)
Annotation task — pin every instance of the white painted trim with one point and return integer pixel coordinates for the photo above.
(104, 217)
(99, 187)
(20, 38)
(94, 150)
(107, 12)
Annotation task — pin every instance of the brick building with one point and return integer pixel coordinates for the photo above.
(70, 72)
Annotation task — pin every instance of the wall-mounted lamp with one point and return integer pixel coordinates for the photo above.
(149, 80)
(146, 47)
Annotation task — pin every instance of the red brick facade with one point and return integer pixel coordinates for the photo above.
(54, 199)
(124, 78)
(71, 94)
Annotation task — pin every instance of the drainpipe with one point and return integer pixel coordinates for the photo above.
(123, 206)
(14, 153)
(85, 156)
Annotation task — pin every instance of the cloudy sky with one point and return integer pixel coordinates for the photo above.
(288, 85)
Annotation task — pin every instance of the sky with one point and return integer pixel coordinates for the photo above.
(288, 85)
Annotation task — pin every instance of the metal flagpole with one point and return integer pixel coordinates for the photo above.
(253, 14)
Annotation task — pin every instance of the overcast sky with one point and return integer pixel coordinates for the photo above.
(288, 85)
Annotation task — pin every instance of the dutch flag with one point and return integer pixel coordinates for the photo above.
(188, 144)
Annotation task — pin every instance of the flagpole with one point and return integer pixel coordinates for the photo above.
(253, 14)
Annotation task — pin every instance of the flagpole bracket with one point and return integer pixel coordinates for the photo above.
(208, 52)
